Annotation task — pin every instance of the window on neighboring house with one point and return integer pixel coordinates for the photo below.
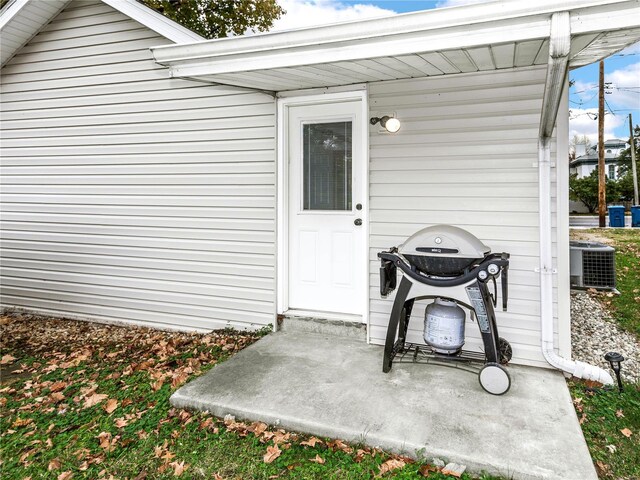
(609, 151)
(612, 172)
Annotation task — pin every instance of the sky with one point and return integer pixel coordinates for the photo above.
(622, 71)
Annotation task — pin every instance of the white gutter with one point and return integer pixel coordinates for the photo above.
(559, 49)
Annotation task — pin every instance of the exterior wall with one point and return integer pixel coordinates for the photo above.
(466, 155)
(129, 196)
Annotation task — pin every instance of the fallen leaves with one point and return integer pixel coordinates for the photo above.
(107, 442)
(7, 359)
(94, 399)
(178, 468)
(454, 469)
(21, 422)
(311, 442)
(318, 459)
(273, 452)
(391, 464)
(54, 464)
(426, 470)
(111, 405)
(65, 475)
(626, 432)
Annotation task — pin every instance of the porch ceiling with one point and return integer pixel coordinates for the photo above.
(490, 36)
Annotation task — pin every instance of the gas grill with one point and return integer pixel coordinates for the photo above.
(445, 256)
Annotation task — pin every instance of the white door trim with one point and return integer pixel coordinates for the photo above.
(282, 192)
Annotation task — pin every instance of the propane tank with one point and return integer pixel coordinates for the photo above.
(444, 326)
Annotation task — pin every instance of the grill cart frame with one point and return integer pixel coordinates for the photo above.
(493, 377)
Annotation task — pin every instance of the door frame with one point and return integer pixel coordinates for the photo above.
(282, 194)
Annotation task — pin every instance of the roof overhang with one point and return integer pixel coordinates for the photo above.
(21, 20)
(488, 36)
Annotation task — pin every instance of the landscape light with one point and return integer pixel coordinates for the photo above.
(615, 360)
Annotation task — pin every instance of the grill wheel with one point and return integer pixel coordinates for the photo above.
(505, 351)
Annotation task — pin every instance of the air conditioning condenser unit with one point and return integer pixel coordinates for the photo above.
(592, 265)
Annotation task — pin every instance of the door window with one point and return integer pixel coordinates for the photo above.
(327, 158)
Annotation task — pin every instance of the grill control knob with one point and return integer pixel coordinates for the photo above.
(482, 275)
(357, 222)
(493, 269)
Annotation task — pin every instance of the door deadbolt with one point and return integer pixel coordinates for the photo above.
(357, 222)
(358, 206)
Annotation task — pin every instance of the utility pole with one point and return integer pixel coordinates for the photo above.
(634, 170)
(602, 181)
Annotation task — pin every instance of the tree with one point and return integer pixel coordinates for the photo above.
(576, 140)
(624, 159)
(625, 187)
(586, 190)
(220, 18)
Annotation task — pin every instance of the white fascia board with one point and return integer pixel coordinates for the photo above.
(10, 11)
(606, 18)
(155, 21)
(318, 51)
(468, 16)
(419, 32)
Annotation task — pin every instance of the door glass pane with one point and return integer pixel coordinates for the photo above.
(327, 155)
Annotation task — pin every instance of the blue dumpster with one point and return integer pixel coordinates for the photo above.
(616, 216)
(635, 216)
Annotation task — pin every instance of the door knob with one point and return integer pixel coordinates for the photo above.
(357, 222)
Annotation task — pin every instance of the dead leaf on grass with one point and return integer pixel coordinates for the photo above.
(58, 386)
(318, 460)
(21, 422)
(6, 359)
(178, 468)
(626, 432)
(157, 385)
(65, 475)
(258, 428)
(391, 464)
(94, 399)
(339, 445)
(120, 422)
(427, 470)
(54, 464)
(311, 442)
(56, 397)
(619, 413)
(273, 452)
(602, 467)
(111, 405)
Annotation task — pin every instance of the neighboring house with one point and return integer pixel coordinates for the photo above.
(587, 162)
(163, 187)
(584, 164)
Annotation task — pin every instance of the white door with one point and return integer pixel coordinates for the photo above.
(326, 228)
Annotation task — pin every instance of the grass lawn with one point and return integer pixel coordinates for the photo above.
(82, 400)
(610, 420)
(611, 425)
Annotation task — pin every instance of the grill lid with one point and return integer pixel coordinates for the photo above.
(444, 241)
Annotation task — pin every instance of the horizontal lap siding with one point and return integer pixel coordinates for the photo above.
(466, 155)
(129, 196)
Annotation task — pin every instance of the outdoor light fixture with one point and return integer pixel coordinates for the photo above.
(390, 124)
(615, 359)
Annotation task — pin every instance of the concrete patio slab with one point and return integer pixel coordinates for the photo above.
(331, 386)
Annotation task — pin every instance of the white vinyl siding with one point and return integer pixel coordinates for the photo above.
(466, 155)
(127, 195)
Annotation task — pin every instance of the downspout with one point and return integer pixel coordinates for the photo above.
(559, 49)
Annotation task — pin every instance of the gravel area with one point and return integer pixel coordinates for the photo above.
(594, 333)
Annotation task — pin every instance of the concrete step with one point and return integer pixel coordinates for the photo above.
(323, 326)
